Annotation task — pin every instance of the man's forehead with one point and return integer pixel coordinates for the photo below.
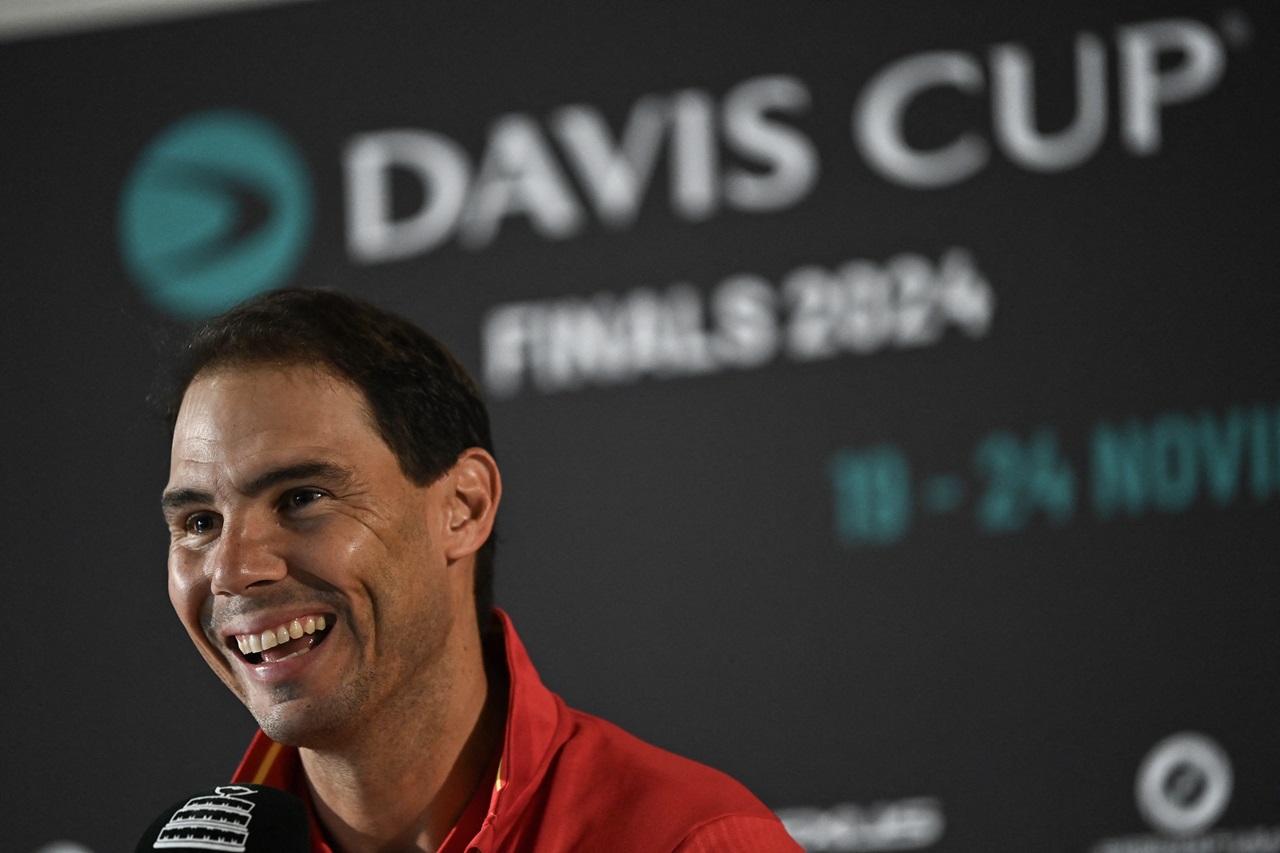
(271, 386)
(262, 408)
(256, 373)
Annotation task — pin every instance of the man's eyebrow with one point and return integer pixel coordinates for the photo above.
(175, 499)
(301, 471)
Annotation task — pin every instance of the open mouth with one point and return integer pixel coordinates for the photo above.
(286, 640)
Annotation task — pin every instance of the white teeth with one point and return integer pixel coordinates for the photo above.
(272, 637)
(298, 653)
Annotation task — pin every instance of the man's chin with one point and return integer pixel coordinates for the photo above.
(289, 730)
(299, 723)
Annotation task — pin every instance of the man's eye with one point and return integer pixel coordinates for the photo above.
(302, 498)
(201, 523)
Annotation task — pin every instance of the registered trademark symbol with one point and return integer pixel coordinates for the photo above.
(1236, 29)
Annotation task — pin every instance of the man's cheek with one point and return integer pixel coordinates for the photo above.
(224, 670)
(188, 592)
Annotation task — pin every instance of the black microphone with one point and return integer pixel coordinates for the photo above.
(232, 818)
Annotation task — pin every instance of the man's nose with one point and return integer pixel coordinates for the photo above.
(247, 555)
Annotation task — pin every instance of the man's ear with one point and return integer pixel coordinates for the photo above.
(474, 489)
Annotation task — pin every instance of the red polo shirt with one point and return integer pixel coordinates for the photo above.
(568, 781)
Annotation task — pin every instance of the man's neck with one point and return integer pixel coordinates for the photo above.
(400, 786)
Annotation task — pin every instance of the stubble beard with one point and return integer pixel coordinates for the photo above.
(334, 721)
(315, 723)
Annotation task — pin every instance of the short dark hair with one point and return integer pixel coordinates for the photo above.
(425, 405)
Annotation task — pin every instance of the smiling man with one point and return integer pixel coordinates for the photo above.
(331, 505)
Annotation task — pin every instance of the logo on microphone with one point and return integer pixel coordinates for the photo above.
(217, 821)
(218, 208)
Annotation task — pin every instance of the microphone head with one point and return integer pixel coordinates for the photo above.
(233, 818)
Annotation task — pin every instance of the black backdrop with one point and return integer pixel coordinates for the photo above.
(920, 473)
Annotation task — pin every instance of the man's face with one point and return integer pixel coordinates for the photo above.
(286, 512)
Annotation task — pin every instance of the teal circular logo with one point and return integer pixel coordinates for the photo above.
(217, 209)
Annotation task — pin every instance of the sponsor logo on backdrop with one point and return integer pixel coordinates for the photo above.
(219, 205)
(218, 208)
(910, 824)
(744, 151)
(1183, 787)
(1184, 784)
